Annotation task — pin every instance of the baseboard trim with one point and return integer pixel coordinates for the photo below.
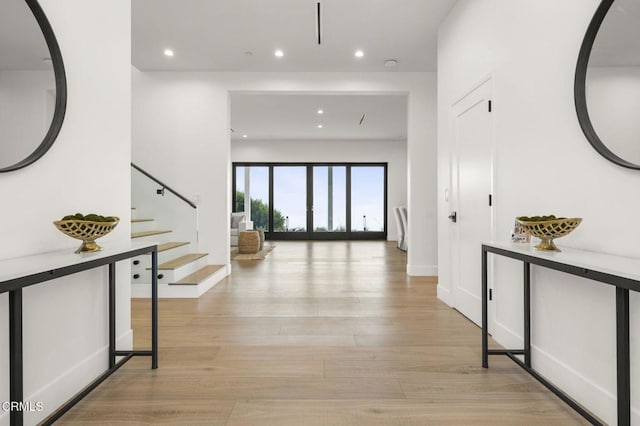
(64, 386)
(444, 294)
(586, 392)
(422, 270)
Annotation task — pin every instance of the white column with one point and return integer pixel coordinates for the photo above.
(247, 193)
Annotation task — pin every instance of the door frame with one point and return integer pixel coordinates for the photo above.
(309, 234)
(458, 103)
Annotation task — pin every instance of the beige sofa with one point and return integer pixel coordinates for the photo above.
(239, 223)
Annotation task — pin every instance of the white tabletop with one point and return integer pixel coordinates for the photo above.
(11, 269)
(626, 267)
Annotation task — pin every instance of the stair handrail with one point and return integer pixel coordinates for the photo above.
(164, 186)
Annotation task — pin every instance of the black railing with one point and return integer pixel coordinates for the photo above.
(164, 186)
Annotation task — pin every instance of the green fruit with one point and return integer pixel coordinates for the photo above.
(538, 218)
(78, 216)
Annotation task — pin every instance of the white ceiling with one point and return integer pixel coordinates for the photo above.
(213, 35)
(295, 117)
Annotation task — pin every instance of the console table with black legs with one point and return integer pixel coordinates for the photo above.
(15, 274)
(621, 272)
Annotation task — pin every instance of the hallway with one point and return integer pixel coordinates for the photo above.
(321, 333)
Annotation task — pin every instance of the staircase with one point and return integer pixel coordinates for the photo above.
(183, 272)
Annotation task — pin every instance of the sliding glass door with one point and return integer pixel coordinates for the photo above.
(314, 201)
(329, 199)
(289, 199)
(367, 199)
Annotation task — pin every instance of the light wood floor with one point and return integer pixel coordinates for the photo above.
(323, 333)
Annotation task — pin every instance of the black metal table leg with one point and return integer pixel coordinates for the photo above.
(623, 356)
(16, 390)
(112, 315)
(527, 314)
(485, 319)
(154, 308)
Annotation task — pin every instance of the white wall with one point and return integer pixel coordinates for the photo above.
(543, 164)
(87, 169)
(181, 135)
(25, 115)
(613, 101)
(392, 152)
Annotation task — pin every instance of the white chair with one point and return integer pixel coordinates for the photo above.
(405, 224)
(239, 223)
(400, 228)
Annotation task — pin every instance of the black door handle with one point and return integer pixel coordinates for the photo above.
(453, 217)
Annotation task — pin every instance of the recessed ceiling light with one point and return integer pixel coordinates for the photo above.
(278, 53)
(390, 63)
(248, 53)
(168, 52)
(245, 136)
(359, 54)
(320, 111)
(320, 126)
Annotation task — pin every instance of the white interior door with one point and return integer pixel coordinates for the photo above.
(471, 184)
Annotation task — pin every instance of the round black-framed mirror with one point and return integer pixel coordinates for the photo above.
(590, 91)
(52, 124)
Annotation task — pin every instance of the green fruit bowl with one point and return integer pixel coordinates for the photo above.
(86, 230)
(548, 229)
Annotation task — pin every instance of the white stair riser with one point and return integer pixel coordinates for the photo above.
(170, 276)
(156, 238)
(143, 226)
(144, 262)
(144, 277)
(139, 290)
(173, 253)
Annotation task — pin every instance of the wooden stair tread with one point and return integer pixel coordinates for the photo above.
(141, 220)
(171, 245)
(147, 233)
(181, 261)
(199, 276)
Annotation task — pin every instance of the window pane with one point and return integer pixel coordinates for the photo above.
(290, 199)
(329, 199)
(367, 198)
(258, 189)
(239, 203)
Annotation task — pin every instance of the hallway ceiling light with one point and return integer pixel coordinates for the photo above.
(278, 53)
(359, 54)
(321, 111)
(245, 136)
(169, 53)
(320, 126)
